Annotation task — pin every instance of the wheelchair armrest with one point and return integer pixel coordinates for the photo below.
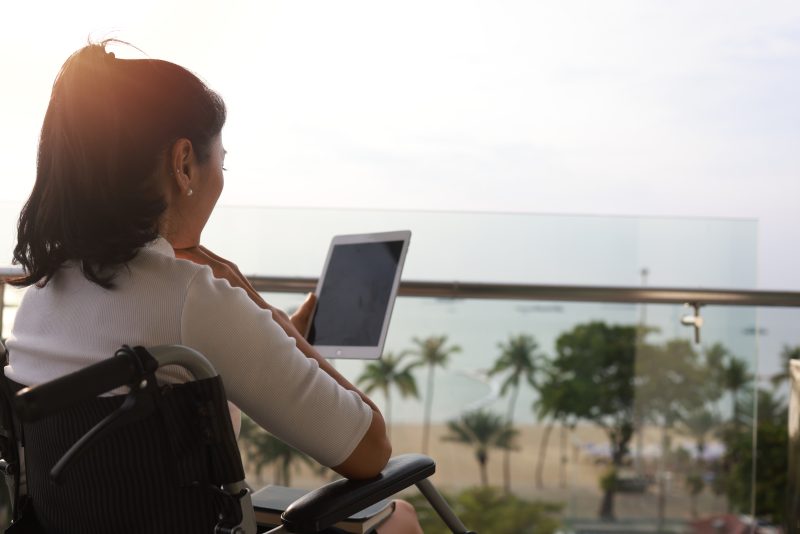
(342, 498)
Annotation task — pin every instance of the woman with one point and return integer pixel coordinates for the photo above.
(130, 166)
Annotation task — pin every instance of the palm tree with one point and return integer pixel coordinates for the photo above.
(431, 352)
(482, 430)
(518, 360)
(553, 405)
(735, 378)
(699, 423)
(386, 372)
(716, 358)
(263, 449)
(787, 355)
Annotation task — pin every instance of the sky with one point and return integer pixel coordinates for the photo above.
(638, 107)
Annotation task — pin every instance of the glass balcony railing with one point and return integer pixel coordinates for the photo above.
(572, 374)
(609, 396)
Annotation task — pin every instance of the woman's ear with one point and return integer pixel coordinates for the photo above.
(180, 163)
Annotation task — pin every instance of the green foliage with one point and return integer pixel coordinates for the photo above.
(788, 353)
(735, 378)
(699, 423)
(772, 462)
(489, 510)
(670, 381)
(716, 358)
(736, 375)
(481, 430)
(695, 484)
(432, 352)
(386, 374)
(592, 378)
(608, 480)
(263, 449)
(519, 359)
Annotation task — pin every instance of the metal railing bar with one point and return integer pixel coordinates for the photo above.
(567, 293)
(479, 290)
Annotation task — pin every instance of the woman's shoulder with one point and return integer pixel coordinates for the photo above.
(191, 289)
(158, 264)
(155, 269)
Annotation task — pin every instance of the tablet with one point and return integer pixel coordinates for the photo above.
(356, 293)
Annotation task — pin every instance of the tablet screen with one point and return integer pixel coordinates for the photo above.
(355, 294)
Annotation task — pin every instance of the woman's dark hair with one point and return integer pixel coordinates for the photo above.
(98, 195)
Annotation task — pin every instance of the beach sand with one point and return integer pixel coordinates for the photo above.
(575, 485)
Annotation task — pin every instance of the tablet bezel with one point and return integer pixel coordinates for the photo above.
(373, 352)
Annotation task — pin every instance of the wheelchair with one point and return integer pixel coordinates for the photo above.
(157, 458)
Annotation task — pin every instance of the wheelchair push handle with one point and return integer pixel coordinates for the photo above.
(125, 368)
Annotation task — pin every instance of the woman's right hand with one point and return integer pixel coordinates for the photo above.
(301, 318)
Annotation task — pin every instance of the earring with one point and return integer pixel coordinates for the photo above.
(189, 192)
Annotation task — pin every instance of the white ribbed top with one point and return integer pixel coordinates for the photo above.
(71, 323)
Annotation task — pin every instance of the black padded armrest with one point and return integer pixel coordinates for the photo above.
(342, 498)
